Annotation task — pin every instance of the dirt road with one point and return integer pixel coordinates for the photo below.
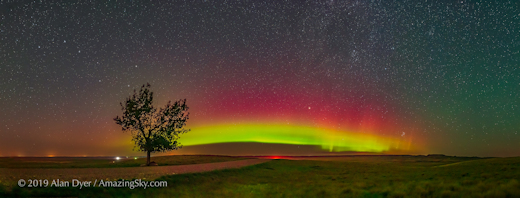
(10, 177)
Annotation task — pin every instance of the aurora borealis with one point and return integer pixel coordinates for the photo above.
(389, 77)
(288, 134)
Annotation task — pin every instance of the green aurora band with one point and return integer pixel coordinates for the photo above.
(331, 140)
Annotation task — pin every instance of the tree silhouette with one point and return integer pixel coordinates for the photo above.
(153, 130)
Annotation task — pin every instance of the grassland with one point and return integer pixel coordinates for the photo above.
(107, 162)
(374, 176)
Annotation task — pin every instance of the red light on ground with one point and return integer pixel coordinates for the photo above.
(275, 157)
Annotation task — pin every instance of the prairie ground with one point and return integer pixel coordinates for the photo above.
(9, 177)
(107, 162)
(355, 176)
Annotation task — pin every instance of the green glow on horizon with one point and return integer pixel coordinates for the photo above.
(330, 140)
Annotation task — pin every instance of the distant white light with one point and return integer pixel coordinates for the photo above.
(118, 158)
(309, 107)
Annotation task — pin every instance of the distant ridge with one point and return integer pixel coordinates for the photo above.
(436, 155)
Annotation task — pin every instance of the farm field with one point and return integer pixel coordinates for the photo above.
(348, 176)
(10, 177)
(107, 162)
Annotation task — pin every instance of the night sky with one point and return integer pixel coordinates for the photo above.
(264, 77)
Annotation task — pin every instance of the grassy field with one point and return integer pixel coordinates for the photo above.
(373, 176)
(105, 162)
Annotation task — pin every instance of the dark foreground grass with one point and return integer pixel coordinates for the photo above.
(105, 162)
(495, 177)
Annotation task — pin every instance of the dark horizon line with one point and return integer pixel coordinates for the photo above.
(256, 156)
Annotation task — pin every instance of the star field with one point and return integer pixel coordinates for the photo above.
(436, 76)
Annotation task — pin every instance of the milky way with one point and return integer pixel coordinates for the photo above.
(370, 76)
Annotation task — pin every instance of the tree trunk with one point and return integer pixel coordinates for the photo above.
(148, 158)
